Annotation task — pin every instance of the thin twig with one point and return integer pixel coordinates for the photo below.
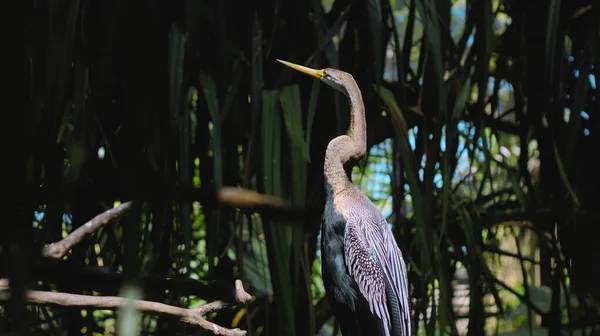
(492, 249)
(190, 316)
(60, 249)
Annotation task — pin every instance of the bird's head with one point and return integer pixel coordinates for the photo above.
(332, 77)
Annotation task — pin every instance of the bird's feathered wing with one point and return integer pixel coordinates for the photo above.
(373, 258)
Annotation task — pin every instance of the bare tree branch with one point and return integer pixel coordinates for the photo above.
(240, 294)
(252, 201)
(65, 273)
(190, 316)
(493, 249)
(60, 249)
(244, 198)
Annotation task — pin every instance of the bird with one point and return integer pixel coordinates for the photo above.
(363, 269)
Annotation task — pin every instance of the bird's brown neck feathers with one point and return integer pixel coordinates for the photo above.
(350, 148)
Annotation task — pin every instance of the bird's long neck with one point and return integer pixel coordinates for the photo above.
(347, 148)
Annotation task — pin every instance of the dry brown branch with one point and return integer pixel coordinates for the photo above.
(185, 315)
(240, 295)
(60, 249)
(244, 198)
(65, 273)
(252, 201)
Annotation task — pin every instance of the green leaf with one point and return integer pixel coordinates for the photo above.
(461, 100)
(563, 175)
(212, 101)
(411, 169)
(256, 263)
(279, 236)
(292, 114)
(233, 88)
(312, 111)
(401, 130)
(435, 55)
(289, 97)
(375, 20)
(271, 143)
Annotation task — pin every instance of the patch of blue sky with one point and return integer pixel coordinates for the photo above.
(443, 139)
(438, 180)
(411, 137)
(471, 39)
(39, 215)
(400, 18)
(585, 115)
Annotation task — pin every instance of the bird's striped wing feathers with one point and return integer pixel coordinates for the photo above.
(396, 271)
(372, 256)
(364, 267)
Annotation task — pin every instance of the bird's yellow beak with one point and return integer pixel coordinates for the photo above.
(315, 73)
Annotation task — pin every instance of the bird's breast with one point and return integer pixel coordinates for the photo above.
(340, 286)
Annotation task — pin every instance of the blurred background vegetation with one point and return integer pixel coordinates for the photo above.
(482, 120)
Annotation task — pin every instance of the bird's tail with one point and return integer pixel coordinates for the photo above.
(399, 326)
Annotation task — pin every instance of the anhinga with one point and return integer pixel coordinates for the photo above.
(363, 269)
